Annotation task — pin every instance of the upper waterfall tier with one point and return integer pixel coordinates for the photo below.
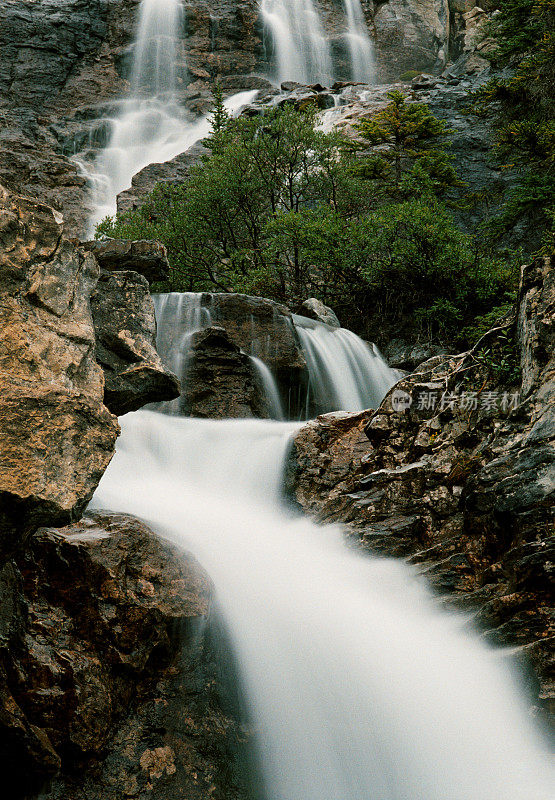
(302, 49)
(156, 48)
(304, 367)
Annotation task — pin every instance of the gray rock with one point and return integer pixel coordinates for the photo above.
(149, 258)
(315, 309)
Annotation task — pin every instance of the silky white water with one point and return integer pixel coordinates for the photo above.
(358, 687)
(345, 372)
(360, 46)
(150, 126)
(269, 388)
(301, 48)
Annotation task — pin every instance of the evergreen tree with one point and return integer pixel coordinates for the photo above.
(411, 159)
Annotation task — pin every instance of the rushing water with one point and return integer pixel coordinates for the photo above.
(302, 50)
(301, 47)
(345, 372)
(358, 686)
(359, 43)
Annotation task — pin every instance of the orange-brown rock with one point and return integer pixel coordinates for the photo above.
(57, 435)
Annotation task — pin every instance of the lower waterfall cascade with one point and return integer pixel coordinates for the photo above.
(357, 685)
(344, 372)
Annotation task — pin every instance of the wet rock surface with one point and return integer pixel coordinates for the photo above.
(465, 493)
(221, 379)
(260, 327)
(315, 309)
(148, 258)
(107, 674)
(125, 329)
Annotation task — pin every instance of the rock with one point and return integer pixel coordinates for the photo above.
(464, 490)
(148, 258)
(535, 331)
(315, 309)
(221, 380)
(125, 328)
(108, 688)
(411, 36)
(176, 170)
(402, 355)
(57, 436)
(260, 327)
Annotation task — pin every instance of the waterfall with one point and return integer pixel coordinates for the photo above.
(359, 687)
(150, 127)
(178, 316)
(360, 45)
(269, 387)
(302, 51)
(301, 48)
(156, 48)
(345, 372)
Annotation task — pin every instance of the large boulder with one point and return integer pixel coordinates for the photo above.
(125, 328)
(221, 381)
(148, 258)
(260, 327)
(315, 309)
(57, 435)
(107, 672)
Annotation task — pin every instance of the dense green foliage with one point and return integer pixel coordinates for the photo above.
(524, 102)
(281, 209)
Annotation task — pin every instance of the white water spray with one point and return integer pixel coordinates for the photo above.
(345, 372)
(301, 48)
(302, 51)
(156, 48)
(359, 43)
(359, 688)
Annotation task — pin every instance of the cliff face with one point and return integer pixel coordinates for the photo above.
(462, 487)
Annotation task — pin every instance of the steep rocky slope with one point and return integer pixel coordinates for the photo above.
(457, 473)
(65, 63)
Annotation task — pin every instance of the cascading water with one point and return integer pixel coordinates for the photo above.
(178, 316)
(302, 51)
(151, 127)
(345, 372)
(269, 387)
(359, 43)
(358, 686)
